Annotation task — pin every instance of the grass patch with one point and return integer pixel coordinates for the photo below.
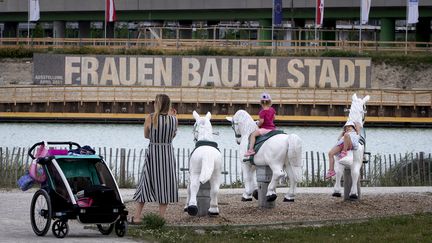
(411, 228)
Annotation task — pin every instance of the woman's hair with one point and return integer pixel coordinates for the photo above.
(162, 106)
(266, 102)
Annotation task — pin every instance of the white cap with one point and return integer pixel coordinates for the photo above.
(265, 96)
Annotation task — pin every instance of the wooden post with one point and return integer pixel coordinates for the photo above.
(1, 163)
(203, 199)
(422, 171)
(347, 182)
(122, 166)
(264, 175)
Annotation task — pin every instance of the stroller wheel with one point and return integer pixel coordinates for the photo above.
(120, 228)
(40, 212)
(105, 229)
(60, 228)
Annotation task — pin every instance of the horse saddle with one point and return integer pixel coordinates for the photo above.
(205, 143)
(260, 141)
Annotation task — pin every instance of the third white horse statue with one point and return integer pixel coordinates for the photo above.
(356, 114)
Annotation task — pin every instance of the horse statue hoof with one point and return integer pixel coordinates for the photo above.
(288, 200)
(192, 210)
(213, 214)
(337, 194)
(353, 197)
(255, 194)
(246, 199)
(271, 198)
(185, 209)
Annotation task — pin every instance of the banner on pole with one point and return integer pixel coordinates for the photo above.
(34, 11)
(110, 13)
(277, 12)
(412, 12)
(319, 13)
(364, 11)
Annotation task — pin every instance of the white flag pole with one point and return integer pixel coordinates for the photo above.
(105, 24)
(406, 28)
(272, 30)
(406, 38)
(316, 20)
(28, 24)
(361, 24)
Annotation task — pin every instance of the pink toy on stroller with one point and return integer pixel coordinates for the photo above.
(43, 151)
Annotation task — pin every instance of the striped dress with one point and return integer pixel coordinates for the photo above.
(158, 181)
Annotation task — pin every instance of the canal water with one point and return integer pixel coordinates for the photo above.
(319, 139)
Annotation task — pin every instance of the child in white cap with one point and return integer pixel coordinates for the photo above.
(348, 140)
(265, 122)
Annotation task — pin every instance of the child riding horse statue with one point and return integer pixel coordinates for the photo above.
(281, 152)
(205, 165)
(356, 114)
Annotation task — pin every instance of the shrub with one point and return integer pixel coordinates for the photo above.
(153, 221)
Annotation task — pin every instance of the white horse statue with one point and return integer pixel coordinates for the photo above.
(205, 165)
(356, 114)
(281, 152)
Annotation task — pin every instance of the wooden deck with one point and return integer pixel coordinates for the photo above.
(202, 95)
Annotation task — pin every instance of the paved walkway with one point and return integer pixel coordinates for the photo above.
(16, 227)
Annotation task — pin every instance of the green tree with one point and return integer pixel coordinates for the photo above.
(38, 31)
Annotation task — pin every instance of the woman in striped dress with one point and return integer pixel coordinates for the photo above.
(158, 181)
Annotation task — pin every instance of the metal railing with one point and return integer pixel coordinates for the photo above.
(193, 44)
(62, 94)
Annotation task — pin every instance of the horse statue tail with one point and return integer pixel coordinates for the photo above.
(207, 167)
(295, 155)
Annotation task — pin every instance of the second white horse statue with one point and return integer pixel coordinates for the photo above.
(281, 152)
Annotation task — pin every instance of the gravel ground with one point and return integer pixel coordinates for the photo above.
(307, 207)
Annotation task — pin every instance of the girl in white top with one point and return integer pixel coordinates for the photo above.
(348, 140)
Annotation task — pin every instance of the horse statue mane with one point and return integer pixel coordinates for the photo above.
(243, 116)
(357, 109)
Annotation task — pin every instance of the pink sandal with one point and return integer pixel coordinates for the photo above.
(249, 152)
(330, 174)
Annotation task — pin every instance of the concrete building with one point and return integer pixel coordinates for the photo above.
(140, 18)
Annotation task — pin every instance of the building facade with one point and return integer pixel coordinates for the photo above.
(185, 19)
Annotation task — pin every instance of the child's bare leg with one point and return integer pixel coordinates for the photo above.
(335, 150)
(252, 139)
(347, 143)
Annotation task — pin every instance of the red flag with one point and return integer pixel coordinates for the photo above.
(319, 13)
(110, 12)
